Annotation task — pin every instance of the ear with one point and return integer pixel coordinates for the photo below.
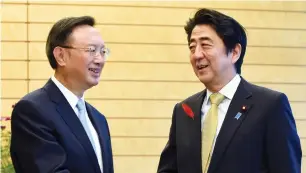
(58, 53)
(236, 53)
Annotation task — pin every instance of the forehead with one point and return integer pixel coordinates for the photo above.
(86, 34)
(203, 32)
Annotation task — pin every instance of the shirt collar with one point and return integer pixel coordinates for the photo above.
(228, 90)
(70, 96)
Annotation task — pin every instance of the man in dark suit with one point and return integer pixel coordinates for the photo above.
(53, 128)
(232, 126)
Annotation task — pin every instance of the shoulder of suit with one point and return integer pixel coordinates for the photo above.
(265, 92)
(35, 96)
(193, 97)
(33, 99)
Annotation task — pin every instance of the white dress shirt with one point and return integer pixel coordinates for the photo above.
(228, 91)
(73, 100)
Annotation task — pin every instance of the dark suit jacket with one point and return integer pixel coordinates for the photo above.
(263, 140)
(48, 137)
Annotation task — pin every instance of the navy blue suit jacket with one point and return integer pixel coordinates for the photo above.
(263, 139)
(47, 136)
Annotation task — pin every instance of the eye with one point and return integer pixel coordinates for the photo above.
(206, 45)
(91, 49)
(192, 48)
(103, 50)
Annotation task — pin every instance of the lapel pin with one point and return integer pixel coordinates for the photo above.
(238, 115)
(188, 110)
(243, 109)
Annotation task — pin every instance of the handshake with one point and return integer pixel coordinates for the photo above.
(231, 126)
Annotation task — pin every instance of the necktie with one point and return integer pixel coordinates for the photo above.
(209, 129)
(90, 133)
(84, 120)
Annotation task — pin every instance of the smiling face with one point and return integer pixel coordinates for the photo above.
(82, 64)
(78, 64)
(209, 58)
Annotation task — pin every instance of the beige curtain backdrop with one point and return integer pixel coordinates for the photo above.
(149, 70)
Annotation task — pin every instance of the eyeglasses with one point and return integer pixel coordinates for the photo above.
(92, 50)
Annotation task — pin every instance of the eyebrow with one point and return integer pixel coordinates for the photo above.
(96, 45)
(201, 39)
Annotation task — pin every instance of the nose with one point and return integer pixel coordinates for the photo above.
(198, 53)
(99, 59)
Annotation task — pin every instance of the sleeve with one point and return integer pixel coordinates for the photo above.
(111, 164)
(34, 147)
(168, 158)
(283, 148)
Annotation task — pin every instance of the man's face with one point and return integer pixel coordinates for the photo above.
(209, 59)
(82, 65)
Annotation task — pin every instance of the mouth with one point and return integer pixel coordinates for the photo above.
(201, 66)
(96, 71)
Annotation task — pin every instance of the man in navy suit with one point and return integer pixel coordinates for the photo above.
(53, 128)
(232, 126)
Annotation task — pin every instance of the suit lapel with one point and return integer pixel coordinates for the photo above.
(231, 122)
(101, 134)
(193, 128)
(72, 121)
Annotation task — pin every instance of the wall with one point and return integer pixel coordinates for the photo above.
(148, 71)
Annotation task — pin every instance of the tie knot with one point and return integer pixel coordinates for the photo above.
(216, 98)
(80, 105)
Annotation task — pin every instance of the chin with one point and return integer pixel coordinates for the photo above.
(205, 78)
(93, 82)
